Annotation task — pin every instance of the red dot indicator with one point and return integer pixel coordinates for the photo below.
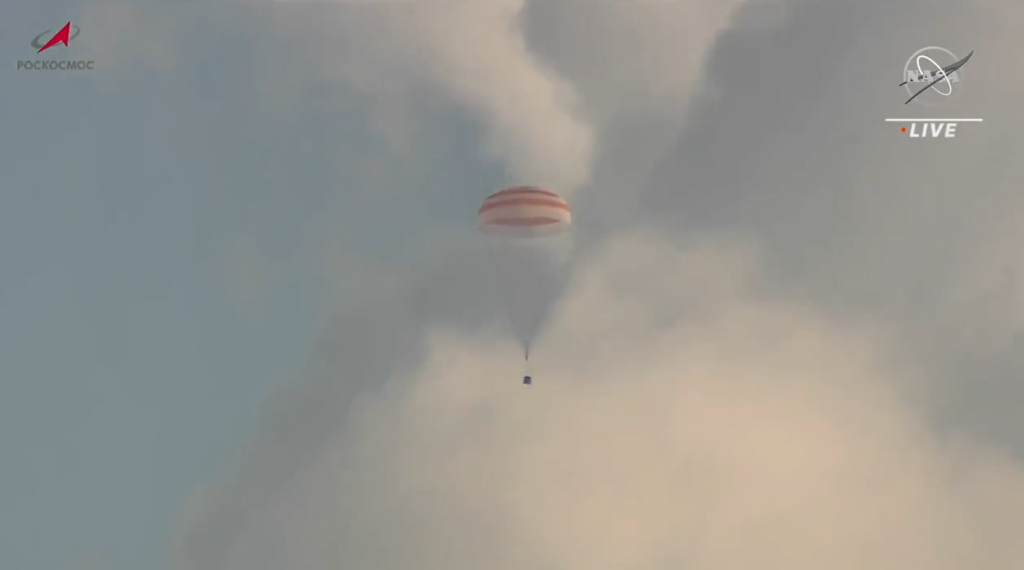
(904, 129)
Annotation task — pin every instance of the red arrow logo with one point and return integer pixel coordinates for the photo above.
(60, 37)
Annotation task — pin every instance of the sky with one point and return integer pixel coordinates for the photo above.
(245, 322)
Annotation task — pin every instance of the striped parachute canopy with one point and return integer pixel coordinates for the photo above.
(530, 226)
(524, 211)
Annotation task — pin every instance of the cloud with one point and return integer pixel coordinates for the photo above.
(742, 402)
(629, 58)
(640, 70)
(475, 54)
(855, 218)
(749, 432)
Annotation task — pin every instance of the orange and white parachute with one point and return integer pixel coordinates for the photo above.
(524, 222)
(524, 211)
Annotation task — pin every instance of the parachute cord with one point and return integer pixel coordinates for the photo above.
(504, 283)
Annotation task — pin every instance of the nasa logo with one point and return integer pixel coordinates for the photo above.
(930, 74)
(929, 77)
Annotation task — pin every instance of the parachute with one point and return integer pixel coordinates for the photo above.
(524, 212)
(528, 230)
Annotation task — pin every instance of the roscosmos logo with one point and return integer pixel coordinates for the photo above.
(47, 40)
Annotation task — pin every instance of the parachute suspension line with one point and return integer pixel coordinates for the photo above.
(505, 284)
(523, 212)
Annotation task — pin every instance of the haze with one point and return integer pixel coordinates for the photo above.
(245, 325)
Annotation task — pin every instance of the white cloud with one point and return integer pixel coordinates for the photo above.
(749, 433)
(638, 68)
(629, 58)
(475, 54)
(678, 420)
